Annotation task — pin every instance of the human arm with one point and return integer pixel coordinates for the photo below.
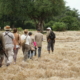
(14, 41)
(19, 40)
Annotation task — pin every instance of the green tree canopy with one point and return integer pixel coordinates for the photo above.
(37, 10)
(40, 10)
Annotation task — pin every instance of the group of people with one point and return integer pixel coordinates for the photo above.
(11, 42)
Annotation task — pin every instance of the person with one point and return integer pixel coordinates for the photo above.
(9, 44)
(35, 45)
(25, 45)
(18, 43)
(32, 49)
(50, 40)
(38, 40)
(2, 49)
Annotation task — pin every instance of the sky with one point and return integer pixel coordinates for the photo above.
(73, 4)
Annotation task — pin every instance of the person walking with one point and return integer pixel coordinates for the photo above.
(50, 40)
(32, 49)
(18, 43)
(38, 40)
(26, 41)
(2, 49)
(9, 44)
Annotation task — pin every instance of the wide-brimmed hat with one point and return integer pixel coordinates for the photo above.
(7, 28)
(49, 28)
(26, 31)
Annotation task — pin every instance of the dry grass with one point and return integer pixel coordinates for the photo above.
(63, 64)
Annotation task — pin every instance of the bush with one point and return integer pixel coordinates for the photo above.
(49, 24)
(19, 29)
(29, 25)
(59, 26)
(74, 26)
(72, 22)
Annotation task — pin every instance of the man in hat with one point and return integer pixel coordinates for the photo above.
(2, 48)
(50, 40)
(26, 41)
(38, 40)
(9, 44)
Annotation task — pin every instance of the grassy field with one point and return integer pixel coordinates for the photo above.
(63, 64)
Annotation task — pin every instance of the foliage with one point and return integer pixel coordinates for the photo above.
(69, 17)
(49, 24)
(14, 11)
(40, 10)
(29, 25)
(59, 26)
(35, 14)
(72, 22)
(75, 25)
(19, 29)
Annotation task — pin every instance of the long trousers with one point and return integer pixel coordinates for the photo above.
(39, 51)
(10, 53)
(50, 45)
(25, 49)
(30, 54)
(15, 54)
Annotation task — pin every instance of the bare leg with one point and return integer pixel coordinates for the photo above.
(15, 54)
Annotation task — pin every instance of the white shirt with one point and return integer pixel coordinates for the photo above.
(8, 40)
(28, 39)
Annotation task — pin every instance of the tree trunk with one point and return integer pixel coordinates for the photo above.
(12, 24)
(40, 25)
(23, 23)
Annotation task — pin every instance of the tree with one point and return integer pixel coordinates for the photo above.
(37, 10)
(40, 10)
(71, 18)
(13, 10)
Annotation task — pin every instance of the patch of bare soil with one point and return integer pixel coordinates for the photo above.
(63, 64)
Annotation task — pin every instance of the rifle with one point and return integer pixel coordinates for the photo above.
(5, 54)
(2, 50)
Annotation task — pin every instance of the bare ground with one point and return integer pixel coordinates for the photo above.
(63, 64)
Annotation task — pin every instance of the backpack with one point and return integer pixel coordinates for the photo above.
(51, 35)
(24, 41)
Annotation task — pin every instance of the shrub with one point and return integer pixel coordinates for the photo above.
(59, 26)
(49, 24)
(19, 29)
(29, 25)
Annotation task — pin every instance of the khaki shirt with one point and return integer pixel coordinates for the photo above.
(39, 39)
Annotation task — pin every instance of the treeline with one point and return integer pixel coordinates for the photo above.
(33, 14)
(67, 20)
